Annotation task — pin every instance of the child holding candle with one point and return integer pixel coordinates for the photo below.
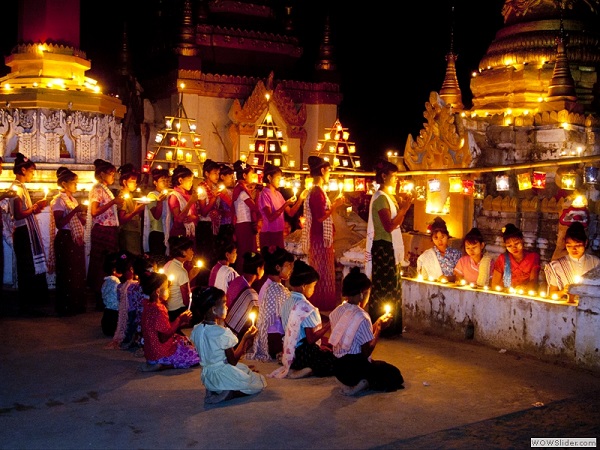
(269, 340)
(245, 209)
(164, 348)
(223, 376)
(156, 217)
(223, 273)
(273, 207)
(130, 212)
(27, 239)
(516, 268)
(303, 354)
(182, 204)
(568, 269)
(226, 182)
(209, 219)
(354, 338)
(475, 268)
(66, 256)
(241, 297)
(101, 226)
(180, 271)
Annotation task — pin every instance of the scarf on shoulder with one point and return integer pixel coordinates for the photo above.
(87, 236)
(343, 333)
(397, 240)
(483, 276)
(327, 223)
(164, 219)
(33, 229)
(300, 311)
(77, 229)
(190, 228)
(429, 263)
(213, 214)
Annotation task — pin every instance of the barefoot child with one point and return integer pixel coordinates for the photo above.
(223, 376)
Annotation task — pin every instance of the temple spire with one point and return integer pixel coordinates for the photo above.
(450, 91)
(325, 66)
(562, 85)
(187, 45)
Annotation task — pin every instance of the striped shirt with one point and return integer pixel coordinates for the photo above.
(242, 299)
(313, 320)
(364, 332)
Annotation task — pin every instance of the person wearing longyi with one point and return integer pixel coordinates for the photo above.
(130, 213)
(354, 338)
(516, 268)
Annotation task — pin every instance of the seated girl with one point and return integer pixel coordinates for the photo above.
(223, 273)
(303, 354)
(517, 268)
(475, 268)
(223, 376)
(438, 262)
(164, 348)
(564, 271)
(354, 338)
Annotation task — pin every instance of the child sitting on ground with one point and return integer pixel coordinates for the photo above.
(223, 376)
(115, 265)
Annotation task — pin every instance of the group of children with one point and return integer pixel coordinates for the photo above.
(516, 269)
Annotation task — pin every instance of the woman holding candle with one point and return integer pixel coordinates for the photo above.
(318, 231)
(182, 204)
(4, 209)
(66, 257)
(278, 268)
(245, 209)
(27, 239)
(223, 376)
(303, 355)
(354, 338)
(385, 247)
(242, 298)
(102, 226)
(564, 271)
(226, 183)
(156, 217)
(130, 212)
(164, 348)
(438, 262)
(475, 268)
(517, 268)
(273, 207)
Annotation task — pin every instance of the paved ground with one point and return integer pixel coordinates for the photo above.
(59, 388)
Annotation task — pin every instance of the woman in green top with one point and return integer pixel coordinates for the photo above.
(385, 248)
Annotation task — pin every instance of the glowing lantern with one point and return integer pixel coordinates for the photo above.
(455, 185)
(421, 192)
(568, 180)
(524, 180)
(502, 183)
(359, 184)
(479, 191)
(434, 185)
(468, 187)
(539, 180)
(591, 175)
(348, 184)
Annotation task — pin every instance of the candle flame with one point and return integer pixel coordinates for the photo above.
(388, 309)
(199, 263)
(252, 317)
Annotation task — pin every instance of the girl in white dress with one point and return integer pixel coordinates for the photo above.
(223, 376)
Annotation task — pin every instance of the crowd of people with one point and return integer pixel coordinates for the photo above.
(212, 258)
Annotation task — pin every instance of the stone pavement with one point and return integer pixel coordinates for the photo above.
(59, 388)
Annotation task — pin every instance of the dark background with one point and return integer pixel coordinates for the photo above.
(390, 55)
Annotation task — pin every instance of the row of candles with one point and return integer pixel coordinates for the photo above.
(511, 290)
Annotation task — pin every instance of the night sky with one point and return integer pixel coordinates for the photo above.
(389, 60)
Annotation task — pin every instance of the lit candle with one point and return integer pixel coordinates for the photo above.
(252, 317)
(169, 156)
(388, 309)
(420, 277)
(199, 263)
(554, 297)
(532, 293)
(188, 157)
(171, 278)
(295, 191)
(348, 209)
(86, 202)
(46, 190)
(486, 287)
(161, 270)
(463, 282)
(144, 199)
(444, 280)
(472, 285)
(125, 196)
(577, 279)
(498, 288)
(165, 191)
(200, 191)
(221, 187)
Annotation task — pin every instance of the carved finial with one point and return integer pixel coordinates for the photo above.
(326, 50)
(187, 44)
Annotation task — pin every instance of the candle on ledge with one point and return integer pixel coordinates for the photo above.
(463, 282)
(252, 317)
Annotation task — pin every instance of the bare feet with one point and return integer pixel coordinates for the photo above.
(145, 367)
(302, 373)
(213, 397)
(353, 390)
